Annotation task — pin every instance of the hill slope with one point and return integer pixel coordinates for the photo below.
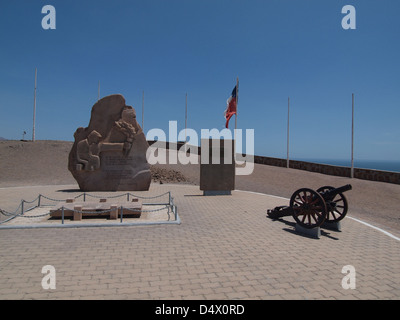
(34, 163)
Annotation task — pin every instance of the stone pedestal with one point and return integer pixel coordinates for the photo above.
(114, 213)
(334, 226)
(217, 168)
(313, 232)
(98, 209)
(77, 215)
(217, 192)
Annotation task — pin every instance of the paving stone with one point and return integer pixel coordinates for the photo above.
(224, 248)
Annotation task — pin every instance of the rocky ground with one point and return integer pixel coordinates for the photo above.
(167, 176)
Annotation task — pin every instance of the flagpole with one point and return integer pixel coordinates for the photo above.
(34, 107)
(288, 112)
(352, 136)
(185, 118)
(237, 103)
(237, 100)
(98, 92)
(143, 110)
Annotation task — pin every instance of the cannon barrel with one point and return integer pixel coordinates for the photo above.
(333, 192)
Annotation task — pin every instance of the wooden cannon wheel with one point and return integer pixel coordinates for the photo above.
(337, 207)
(309, 208)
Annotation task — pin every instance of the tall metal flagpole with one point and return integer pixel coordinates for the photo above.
(98, 93)
(143, 110)
(185, 117)
(288, 112)
(352, 136)
(237, 103)
(34, 107)
(237, 100)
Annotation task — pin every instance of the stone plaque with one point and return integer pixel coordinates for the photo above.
(217, 168)
(110, 154)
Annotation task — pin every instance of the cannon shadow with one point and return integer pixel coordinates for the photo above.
(292, 230)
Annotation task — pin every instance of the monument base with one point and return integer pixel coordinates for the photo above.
(335, 226)
(314, 232)
(217, 193)
(91, 209)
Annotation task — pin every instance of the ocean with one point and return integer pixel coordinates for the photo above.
(384, 165)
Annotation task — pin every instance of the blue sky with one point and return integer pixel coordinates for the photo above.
(277, 48)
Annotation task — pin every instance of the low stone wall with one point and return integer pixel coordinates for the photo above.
(359, 173)
(377, 175)
(168, 144)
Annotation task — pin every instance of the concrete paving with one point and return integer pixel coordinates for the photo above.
(224, 248)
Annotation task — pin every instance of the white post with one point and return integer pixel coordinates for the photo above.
(185, 119)
(352, 136)
(237, 100)
(237, 105)
(34, 108)
(288, 113)
(143, 110)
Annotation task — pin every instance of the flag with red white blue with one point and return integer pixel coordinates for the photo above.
(231, 106)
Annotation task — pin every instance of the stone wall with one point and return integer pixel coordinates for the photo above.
(359, 173)
(377, 175)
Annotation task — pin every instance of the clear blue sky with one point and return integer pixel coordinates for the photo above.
(277, 48)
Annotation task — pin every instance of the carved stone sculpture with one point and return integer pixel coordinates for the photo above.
(110, 154)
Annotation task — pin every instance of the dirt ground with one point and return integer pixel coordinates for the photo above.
(25, 163)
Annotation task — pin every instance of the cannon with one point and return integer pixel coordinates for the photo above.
(312, 208)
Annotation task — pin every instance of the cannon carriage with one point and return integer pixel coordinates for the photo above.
(310, 209)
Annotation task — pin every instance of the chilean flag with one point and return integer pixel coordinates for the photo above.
(230, 106)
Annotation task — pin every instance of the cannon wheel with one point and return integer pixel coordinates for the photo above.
(309, 208)
(339, 211)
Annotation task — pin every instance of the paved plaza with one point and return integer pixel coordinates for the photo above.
(224, 248)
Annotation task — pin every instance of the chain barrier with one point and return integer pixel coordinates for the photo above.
(19, 212)
(36, 199)
(84, 195)
(50, 199)
(7, 214)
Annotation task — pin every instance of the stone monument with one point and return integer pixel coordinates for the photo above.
(110, 154)
(217, 168)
